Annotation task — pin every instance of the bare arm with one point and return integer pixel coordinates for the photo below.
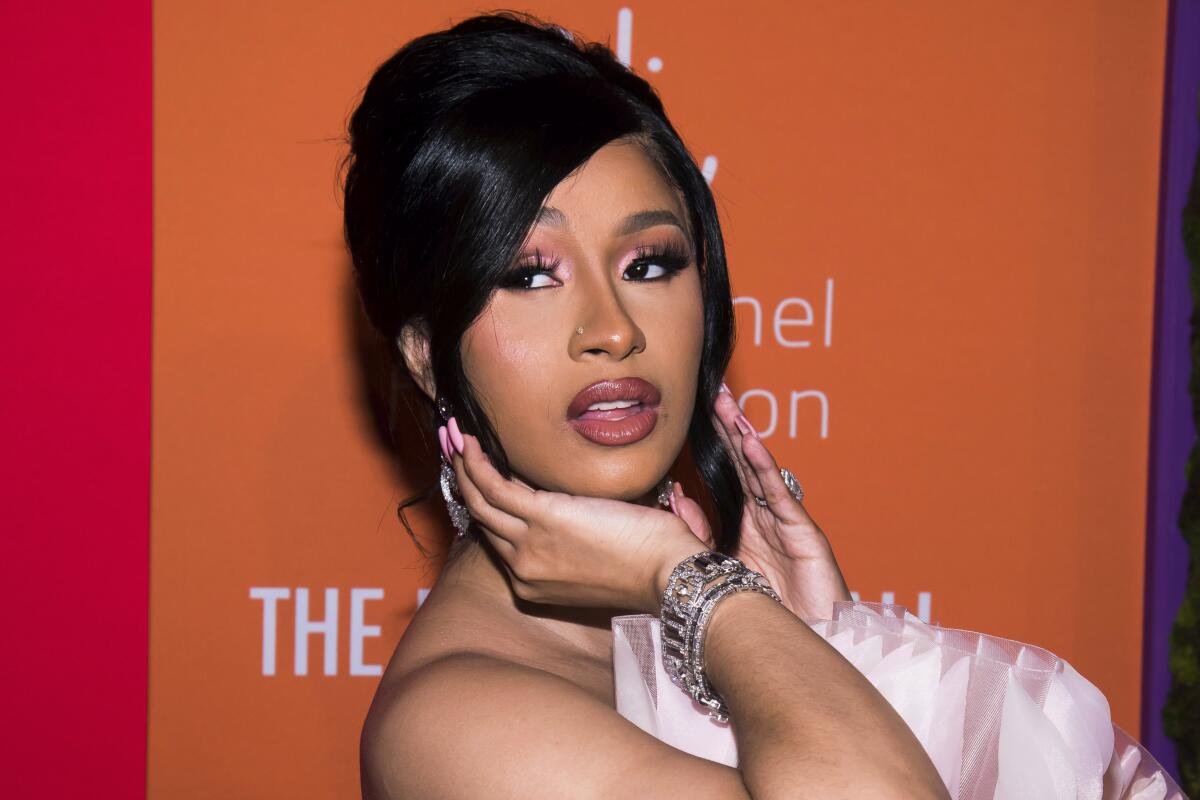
(808, 724)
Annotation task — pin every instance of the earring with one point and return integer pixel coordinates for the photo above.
(460, 517)
(664, 491)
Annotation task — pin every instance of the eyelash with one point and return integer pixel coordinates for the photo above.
(672, 258)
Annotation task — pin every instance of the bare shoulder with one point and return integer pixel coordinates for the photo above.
(470, 725)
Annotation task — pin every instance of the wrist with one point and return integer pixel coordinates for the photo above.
(668, 560)
(696, 588)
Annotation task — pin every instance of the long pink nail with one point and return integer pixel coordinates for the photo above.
(455, 435)
(745, 427)
(725, 388)
(671, 500)
(445, 442)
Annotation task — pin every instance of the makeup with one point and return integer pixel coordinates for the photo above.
(615, 412)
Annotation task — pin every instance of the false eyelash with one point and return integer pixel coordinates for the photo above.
(672, 257)
(514, 278)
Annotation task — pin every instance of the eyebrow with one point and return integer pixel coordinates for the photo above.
(551, 216)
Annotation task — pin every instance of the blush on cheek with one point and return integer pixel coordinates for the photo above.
(505, 359)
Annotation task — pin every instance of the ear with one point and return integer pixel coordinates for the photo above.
(413, 342)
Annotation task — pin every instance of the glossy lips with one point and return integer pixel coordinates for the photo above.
(615, 426)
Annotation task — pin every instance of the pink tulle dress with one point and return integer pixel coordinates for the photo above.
(1000, 719)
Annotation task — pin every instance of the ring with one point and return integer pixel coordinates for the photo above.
(793, 486)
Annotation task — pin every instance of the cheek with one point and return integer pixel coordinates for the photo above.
(673, 323)
(505, 358)
(502, 354)
(680, 322)
(690, 321)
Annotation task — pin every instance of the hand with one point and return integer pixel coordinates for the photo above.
(779, 540)
(571, 550)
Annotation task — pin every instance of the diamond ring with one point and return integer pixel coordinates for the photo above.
(793, 486)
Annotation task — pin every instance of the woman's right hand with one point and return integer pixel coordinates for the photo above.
(572, 550)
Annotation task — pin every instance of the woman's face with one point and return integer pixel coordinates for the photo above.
(616, 262)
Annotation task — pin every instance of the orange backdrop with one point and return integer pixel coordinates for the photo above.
(948, 208)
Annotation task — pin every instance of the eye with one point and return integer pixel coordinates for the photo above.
(655, 263)
(538, 274)
(647, 270)
(537, 280)
(523, 278)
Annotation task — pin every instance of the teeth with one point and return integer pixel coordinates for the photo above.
(612, 405)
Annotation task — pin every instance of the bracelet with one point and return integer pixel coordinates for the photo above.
(687, 605)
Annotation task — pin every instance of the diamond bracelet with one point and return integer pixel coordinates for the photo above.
(687, 605)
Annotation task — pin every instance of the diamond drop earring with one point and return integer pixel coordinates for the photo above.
(460, 517)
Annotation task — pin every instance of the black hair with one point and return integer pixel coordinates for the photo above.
(457, 141)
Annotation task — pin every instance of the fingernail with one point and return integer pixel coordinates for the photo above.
(455, 434)
(725, 388)
(745, 427)
(445, 442)
(671, 500)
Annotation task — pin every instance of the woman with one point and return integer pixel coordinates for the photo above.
(529, 229)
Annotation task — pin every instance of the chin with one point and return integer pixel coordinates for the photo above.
(629, 485)
(631, 494)
(626, 484)
(617, 473)
(623, 490)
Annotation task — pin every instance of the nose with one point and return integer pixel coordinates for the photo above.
(607, 327)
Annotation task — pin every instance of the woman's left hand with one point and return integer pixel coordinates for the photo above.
(780, 539)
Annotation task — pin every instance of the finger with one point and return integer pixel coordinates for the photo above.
(690, 512)
(779, 500)
(737, 428)
(510, 496)
(503, 547)
(501, 524)
(730, 437)
(498, 523)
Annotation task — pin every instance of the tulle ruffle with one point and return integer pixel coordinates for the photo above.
(1000, 719)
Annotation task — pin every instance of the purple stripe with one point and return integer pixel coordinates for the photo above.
(1171, 429)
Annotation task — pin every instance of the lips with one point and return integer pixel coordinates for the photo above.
(633, 418)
